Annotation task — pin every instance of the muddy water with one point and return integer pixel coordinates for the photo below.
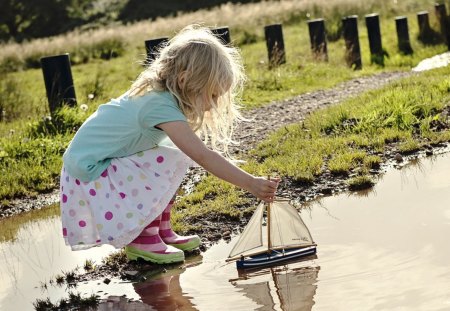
(386, 249)
(31, 253)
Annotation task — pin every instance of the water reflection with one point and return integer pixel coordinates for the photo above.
(32, 252)
(164, 294)
(382, 249)
(284, 288)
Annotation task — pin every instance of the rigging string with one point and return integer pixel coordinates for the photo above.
(278, 227)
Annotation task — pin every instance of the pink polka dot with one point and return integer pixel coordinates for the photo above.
(98, 241)
(148, 188)
(82, 223)
(64, 198)
(111, 186)
(147, 164)
(105, 173)
(77, 182)
(134, 192)
(108, 215)
(92, 192)
(160, 159)
(72, 213)
(120, 183)
(122, 195)
(114, 168)
(120, 226)
(64, 231)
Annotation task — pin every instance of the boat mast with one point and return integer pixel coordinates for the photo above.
(269, 239)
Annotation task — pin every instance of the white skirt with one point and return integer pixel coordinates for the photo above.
(129, 195)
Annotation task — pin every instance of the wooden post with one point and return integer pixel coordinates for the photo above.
(58, 81)
(404, 45)
(317, 38)
(441, 15)
(223, 33)
(374, 33)
(351, 38)
(275, 44)
(152, 46)
(424, 25)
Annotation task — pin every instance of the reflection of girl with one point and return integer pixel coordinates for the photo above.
(164, 294)
(119, 174)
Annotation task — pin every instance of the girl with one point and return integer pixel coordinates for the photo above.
(121, 170)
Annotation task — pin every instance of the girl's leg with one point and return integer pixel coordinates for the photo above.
(184, 243)
(149, 246)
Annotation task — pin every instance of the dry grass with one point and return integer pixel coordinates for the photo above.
(232, 15)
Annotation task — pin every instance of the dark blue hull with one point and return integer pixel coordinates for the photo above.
(274, 258)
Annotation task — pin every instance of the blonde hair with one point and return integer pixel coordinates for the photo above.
(209, 68)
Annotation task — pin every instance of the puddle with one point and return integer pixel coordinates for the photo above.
(31, 253)
(384, 249)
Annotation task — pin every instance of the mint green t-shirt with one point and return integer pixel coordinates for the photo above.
(120, 128)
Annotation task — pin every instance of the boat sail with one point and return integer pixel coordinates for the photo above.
(285, 237)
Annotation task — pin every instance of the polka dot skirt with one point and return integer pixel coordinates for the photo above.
(128, 195)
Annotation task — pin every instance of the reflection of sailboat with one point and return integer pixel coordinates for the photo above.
(279, 289)
(286, 237)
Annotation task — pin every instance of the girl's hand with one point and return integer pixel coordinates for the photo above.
(264, 189)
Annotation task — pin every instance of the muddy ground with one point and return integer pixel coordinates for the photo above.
(264, 120)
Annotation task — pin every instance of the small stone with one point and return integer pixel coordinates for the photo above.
(398, 157)
(326, 190)
(429, 152)
(130, 274)
(106, 281)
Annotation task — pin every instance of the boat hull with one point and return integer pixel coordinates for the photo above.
(274, 258)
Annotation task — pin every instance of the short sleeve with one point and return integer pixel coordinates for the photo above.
(160, 108)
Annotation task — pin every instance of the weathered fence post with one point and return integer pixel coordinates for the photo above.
(351, 38)
(426, 34)
(404, 45)
(424, 25)
(275, 44)
(441, 15)
(152, 46)
(223, 33)
(58, 81)
(374, 33)
(317, 38)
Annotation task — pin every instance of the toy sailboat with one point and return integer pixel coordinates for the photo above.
(285, 238)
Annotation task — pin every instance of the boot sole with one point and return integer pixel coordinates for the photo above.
(134, 254)
(192, 244)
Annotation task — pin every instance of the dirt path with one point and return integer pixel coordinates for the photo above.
(264, 121)
(278, 114)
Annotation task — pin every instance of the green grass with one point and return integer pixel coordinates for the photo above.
(340, 139)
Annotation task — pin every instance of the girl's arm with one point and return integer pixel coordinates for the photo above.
(185, 139)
